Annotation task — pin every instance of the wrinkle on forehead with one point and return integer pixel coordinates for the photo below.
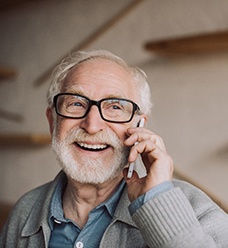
(108, 77)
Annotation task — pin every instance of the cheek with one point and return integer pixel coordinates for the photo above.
(64, 126)
(121, 131)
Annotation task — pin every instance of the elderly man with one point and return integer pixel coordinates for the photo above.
(96, 103)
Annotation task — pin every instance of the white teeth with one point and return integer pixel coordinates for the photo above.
(94, 147)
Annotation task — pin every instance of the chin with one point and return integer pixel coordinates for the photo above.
(94, 175)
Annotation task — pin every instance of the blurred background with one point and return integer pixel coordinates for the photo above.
(182, 45)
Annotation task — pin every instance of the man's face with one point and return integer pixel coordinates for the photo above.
(91, 150)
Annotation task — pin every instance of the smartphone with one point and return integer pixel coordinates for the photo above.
(132, 165)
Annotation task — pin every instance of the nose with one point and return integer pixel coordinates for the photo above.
(93, 122)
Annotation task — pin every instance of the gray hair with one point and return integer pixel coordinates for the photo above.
(138, 76)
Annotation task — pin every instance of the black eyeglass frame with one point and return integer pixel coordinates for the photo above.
(98, 104)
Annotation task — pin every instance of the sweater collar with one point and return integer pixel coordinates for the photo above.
(39, 214)
(38, 217)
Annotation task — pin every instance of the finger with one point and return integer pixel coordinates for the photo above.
(131, 131)
(140, 134)
(151, 154)
(157, 160)
(140, 148)
(145, 135)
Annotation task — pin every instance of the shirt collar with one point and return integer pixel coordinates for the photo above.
(56, 209)
(112, 202)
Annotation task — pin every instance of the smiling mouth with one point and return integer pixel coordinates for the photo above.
(90, 147)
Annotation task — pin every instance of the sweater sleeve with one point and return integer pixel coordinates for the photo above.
(161, 188)
(170, 221)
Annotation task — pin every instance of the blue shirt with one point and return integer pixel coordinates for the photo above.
(65, 233)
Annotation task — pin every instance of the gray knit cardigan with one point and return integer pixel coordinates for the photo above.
(183, 217)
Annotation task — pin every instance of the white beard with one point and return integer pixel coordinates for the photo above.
(90, 170)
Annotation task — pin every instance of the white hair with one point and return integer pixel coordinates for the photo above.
(138, 76)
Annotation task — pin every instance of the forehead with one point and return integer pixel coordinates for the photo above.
(99, 78)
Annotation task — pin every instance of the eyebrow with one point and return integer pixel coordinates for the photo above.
(74, 90)
(82, 93)
(115, 96)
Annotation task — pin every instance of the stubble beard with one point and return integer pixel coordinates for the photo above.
(82, 168)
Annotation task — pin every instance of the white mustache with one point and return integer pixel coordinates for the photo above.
(80, 135)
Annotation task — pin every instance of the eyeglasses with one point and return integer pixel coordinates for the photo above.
(74, 106)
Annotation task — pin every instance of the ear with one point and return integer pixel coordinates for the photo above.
(143, 117)
(49, 115)
(146, 119)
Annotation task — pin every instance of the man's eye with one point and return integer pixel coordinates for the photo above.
(74, 104)
(116, 107)
(114, 104)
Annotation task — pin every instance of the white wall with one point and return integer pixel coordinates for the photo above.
(190, 93)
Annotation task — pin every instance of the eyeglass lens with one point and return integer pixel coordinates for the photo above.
(111, 109)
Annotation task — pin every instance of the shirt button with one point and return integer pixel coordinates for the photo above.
(79, 245)
(57, 221)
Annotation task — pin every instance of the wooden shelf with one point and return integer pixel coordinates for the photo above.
(88, 41)
(24, 139)
(10, 116)
(201, 43)
(6, 72)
